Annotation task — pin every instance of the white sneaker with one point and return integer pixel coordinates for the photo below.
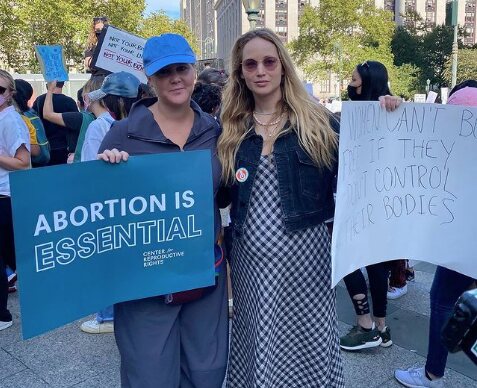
(416, 378)
(5, 324)
(396, 292)
(94, 327)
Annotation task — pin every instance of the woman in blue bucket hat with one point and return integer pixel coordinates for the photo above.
(178, 340)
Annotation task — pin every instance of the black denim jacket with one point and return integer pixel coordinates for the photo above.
(306, 191)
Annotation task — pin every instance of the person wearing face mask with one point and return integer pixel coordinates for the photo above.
(76, 122)
(368, 83)
(97, 26)
(14, 155)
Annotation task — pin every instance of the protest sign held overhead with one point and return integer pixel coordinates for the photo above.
(119, 50)
(52, 62)
(405, 186)
(84, 246)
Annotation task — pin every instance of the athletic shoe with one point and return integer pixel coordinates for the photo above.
(410, 275)
(385, 335)
(5, 324)
(12, 278)
(94, 327)
(397, 292)
(416, 378)
(358, 338)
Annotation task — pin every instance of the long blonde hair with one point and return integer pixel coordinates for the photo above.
(310, 121)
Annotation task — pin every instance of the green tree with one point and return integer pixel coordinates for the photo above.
(406, 47)
(466, 65)
(436, 51)
(10, 34)
(159, 23)
(358, 31)
(26, 23)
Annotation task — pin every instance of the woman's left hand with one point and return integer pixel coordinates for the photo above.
(113, 156)
(390, 103)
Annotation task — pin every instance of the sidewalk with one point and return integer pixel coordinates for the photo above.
(69, 358)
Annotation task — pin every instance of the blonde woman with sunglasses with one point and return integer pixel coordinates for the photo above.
(278, 151)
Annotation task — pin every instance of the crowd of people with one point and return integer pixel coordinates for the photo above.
(274, 156)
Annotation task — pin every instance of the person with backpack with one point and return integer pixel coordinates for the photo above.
(40, 147)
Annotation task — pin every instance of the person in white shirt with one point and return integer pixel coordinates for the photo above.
(14, 155)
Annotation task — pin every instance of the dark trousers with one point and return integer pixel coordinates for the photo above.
(7, 253)
(446, 288)
(59, 156)
(378, 286)
(398, 273)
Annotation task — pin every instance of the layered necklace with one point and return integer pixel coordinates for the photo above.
(271, 126)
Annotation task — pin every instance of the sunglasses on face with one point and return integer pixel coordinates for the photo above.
(270, 63)
(3, 89)
(181, 69)
(100, 19)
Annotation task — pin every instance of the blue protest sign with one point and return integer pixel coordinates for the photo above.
(103, 233)
(52, 62)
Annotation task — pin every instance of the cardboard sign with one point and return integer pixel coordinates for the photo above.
(105, 233)
(406, 187)
(419, 98)
(119, 50)
(52, 63)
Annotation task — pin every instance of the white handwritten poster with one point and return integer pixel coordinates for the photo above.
(407, 187)
(121, 51)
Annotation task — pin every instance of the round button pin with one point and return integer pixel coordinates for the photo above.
(241, 174)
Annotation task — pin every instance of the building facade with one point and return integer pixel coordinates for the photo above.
(280, 16)
(468, 20)
(200, 17)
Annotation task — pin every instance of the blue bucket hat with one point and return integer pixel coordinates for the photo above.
(164, 50)
(120, 84)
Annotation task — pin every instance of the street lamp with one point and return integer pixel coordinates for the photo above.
(252, 10)
(339, 53)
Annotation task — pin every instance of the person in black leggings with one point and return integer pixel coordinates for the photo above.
(369, 82)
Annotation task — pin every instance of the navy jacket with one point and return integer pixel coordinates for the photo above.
(306, 191)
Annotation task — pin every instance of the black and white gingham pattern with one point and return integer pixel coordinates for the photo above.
(284, 332)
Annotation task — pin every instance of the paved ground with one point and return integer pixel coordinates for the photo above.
(68, 358)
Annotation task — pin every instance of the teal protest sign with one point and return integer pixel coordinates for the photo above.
(52, 62)
(92, 234)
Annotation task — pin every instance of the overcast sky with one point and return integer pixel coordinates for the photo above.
(171, 7)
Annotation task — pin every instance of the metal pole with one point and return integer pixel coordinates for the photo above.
(455, 23)
(454, 58)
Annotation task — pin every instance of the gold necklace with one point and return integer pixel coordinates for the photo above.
(264, 114)
(269, 130)
(269, 124)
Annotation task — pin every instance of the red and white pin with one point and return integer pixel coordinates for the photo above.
(241, 174)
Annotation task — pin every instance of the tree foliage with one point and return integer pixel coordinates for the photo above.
(466, 68)
(426, 48)
(339, 34)
(159, 23)
(26, 23)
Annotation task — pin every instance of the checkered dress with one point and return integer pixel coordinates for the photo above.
(284, 332)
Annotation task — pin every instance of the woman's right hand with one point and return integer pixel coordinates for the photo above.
(113, 156)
